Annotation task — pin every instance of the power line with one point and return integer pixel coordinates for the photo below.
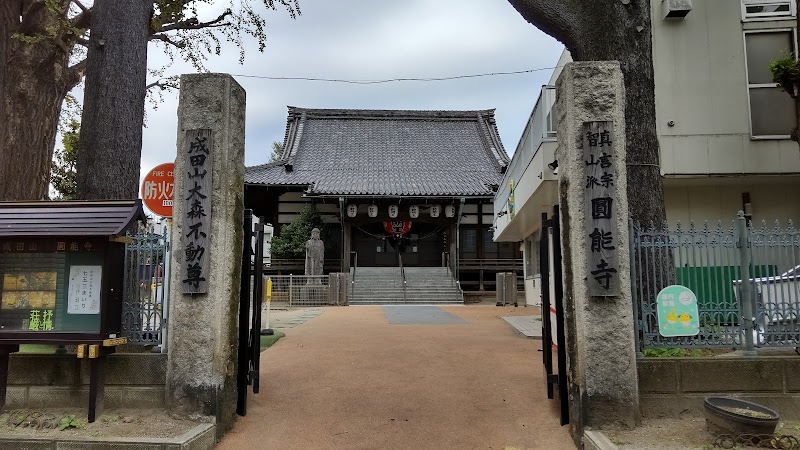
(395, 80)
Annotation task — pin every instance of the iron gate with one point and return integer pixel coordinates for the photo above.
(250, 302)
(146, 288)
(553, 312)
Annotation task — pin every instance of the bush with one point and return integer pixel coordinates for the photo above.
(290, 243)
(786, 72)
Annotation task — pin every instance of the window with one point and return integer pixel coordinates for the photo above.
(772, 113)
(532, 256)
(771, 9)
(469, 243)
(490, 247)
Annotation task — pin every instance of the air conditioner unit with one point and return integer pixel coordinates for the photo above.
(675, 9)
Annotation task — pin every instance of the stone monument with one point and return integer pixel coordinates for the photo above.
(315, 254)
(601, 366)
(207, 249)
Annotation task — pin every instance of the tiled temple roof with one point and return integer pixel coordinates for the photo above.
(387, 153)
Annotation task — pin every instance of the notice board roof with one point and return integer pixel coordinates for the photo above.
(73, 218)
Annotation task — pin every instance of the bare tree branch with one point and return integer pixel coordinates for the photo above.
(154, 84)
(81, 41)
(194, 24)
(76, 73)
(82, 20)
(165, 38)
(80, 5)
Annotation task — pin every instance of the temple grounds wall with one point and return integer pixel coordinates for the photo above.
(670, 387)
(39, 381)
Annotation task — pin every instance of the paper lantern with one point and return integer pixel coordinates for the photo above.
(393, 210)
(450, 211)
(352, 210)
(413, 211)
(372, 210)
(435, 210)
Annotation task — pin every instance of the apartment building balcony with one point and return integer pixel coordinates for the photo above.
(530, 184)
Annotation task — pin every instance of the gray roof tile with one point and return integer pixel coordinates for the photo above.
(384, 152)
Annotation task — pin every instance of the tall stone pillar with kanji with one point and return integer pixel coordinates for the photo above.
(207, 239)
(599, 322)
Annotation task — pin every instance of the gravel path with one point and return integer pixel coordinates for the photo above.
(348, 379)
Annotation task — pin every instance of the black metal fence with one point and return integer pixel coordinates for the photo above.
(746, 278)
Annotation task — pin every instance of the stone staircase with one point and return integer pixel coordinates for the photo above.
(424, 286)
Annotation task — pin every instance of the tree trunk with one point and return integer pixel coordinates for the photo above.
(110, 145)
(34, 79)
(610, 30)
(796, 96)
(613, 30)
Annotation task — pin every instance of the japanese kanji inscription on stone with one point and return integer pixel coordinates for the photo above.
(600, 195)
(198, 153)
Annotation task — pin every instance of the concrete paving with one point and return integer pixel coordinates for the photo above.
(349, 379)
(529, 326)
(283, 318)
(420, 314)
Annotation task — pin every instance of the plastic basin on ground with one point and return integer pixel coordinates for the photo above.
(731, 415)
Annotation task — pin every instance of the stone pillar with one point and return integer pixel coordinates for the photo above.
(602, 376)
(201, 373)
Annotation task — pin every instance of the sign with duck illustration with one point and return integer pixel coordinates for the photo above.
(677, 312)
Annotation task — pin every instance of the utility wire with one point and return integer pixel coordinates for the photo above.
(395, 80)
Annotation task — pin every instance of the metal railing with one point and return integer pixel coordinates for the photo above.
(301, 290)
(540, 128)
(354, 258)
(299, 265)
(446, 263)
(146, 288)
(402, 273)
(746, 279)
(505, 265)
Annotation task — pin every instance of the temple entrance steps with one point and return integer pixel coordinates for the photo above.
(424, 285)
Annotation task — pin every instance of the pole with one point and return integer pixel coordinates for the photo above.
(244, 316)
(746, 298)
(637, 328)
(165, 279)
(267, 331)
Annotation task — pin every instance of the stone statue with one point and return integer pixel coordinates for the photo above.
(315, 254)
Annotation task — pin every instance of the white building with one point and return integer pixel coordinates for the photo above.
(723, 125)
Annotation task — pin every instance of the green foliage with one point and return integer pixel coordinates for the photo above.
(786, 72)
(659, 352)
(68, 422)
(277, 151)
(63, 175)
(195, 37)
(290, 243)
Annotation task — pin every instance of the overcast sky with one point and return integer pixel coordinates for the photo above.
(368, 39)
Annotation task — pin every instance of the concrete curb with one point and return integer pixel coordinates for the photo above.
(201, 437)
(596, 440)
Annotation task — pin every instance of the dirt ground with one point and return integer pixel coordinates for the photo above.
(154, 423)
(350, 379)
(687, 433)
